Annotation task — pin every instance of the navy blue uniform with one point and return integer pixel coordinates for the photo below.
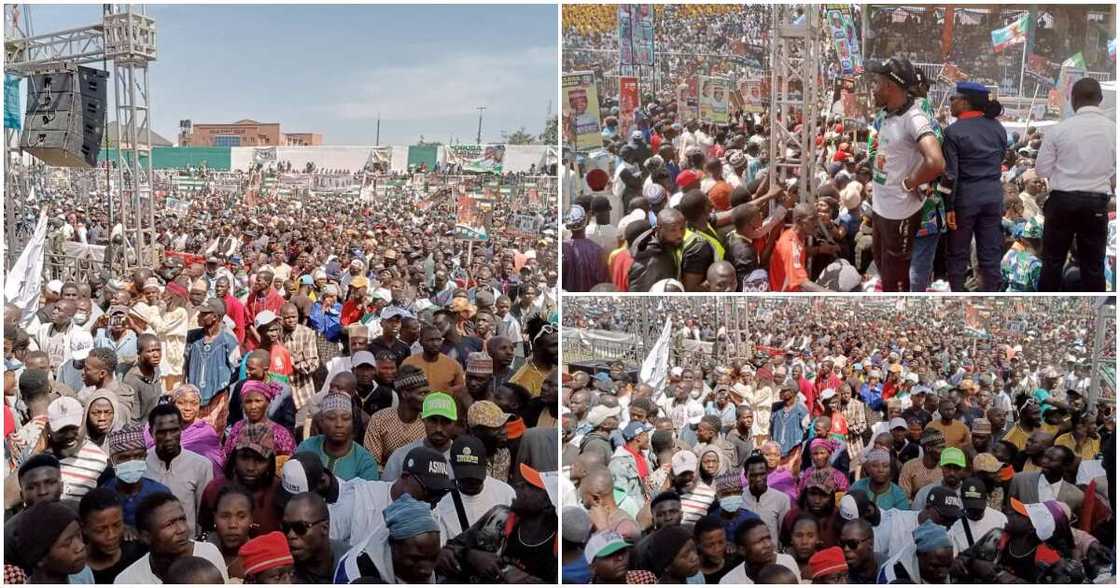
(974, 147)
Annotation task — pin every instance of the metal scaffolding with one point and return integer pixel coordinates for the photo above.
(127, 37)
(795, 52)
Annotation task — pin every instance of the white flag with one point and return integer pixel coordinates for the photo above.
(655, 368)
(24, 281)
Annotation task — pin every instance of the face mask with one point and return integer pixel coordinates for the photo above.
(81, 318)
(131, 471)
(731, 503)
(12, 364)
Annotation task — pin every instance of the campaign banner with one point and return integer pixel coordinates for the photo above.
(479, 159)
(1040, 68)
(1066, 79)
(751, 93)
(951, 73)
(714, 101)
(845, 41)
(11, 102)
(332, 182)
(471, 216)
(581, 111)
(264, 155)
(627, 103)
(635, 34)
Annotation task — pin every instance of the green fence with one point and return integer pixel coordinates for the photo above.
(215, 158)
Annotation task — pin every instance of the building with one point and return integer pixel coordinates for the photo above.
(243, 133)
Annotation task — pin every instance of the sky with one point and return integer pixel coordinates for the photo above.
(332, 69)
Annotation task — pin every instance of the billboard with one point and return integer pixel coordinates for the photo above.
(480, 159)
(845, 41)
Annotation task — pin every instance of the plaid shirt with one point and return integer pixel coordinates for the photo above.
(303, 344)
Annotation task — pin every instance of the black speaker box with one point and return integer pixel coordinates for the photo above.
(65, 117)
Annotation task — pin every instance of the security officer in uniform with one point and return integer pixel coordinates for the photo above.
(974, 148)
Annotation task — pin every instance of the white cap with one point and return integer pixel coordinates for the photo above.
(64, 412)
(362, 358)
(293, 478)
(684, 461)
(828, 393)
(81, 343)
(55, 286)
(912, 377)
(601, 413)
(264, 317)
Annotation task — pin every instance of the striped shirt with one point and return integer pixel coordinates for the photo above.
(81, 471)
(695, 504)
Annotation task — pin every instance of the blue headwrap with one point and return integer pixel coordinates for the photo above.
(407, 517)
(930, 536)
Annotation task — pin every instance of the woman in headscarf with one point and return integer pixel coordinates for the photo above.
(103, 416)
(172, 332)
(255, 398)
(820, 451)
(198, 435)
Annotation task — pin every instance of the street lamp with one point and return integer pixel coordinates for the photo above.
(478, 139)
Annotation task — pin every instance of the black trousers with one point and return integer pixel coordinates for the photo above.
(1070, 217)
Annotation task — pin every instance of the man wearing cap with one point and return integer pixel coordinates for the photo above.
(392, 319)
(475, 492)
(603, 420)
(584, 261)
(629, 465)
(953, 468)
(443, 373)
(608, 555)
(979, 517)
(335, 445)
(439, 414)
(828, 566)
(907, 155)
(70, 372)
(83, 463)
(212, 355)
(487, 421)
(1078, 158)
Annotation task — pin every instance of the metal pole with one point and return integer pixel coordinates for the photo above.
(478, 138)
(1098, 349)
(377, 141)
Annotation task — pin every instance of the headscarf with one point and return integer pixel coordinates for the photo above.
(407, 517)
(267, 389)
(930, 536)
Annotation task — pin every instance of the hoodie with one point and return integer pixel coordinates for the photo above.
(118, 417)
(653, 262)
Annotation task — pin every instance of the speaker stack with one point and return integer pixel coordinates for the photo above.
(65, 117)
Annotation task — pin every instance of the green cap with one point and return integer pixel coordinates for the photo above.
(439, 404)
(952, 456)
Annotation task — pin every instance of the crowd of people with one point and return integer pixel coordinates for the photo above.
(915, 196)
(914, 440)
(305, 389)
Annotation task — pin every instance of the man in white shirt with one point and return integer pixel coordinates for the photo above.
(1078, 157)
(475, 493)
(769, 504)
(183, 471)
(979, 517)
(162, 523)
(752, 539)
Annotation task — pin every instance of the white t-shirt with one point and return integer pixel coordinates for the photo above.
(140, 572)
(896, 158)
(738, 575)
(494, 492)
(992, 519)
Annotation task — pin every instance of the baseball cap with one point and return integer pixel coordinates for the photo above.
(952, 456)
(635, 428)
(392, 312)
(486, 414)
(55, 286)
(264, 317)
(945, 502)
(603, 544)
(687, 177)
(64, 412)
(684, 461)
(601, 413)
(854, 504)
(430, 467)
(81, 343)
(576, 525)
(439, 404)
(986, 462)
(468, 458)
(362, 358)
(898, 422)
(972, 493)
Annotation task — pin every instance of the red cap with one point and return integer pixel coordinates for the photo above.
(687, 178)
(597, 180)
(266, 552)
(177, 289)
(827, 561)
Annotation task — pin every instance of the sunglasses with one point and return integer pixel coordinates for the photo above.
(300, 527)
(853, 543)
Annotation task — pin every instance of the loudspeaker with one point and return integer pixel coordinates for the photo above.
(65, 117)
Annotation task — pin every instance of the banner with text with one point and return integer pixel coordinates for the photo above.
(635, 34)
(479, 159)
(627, 103)
(581, 111)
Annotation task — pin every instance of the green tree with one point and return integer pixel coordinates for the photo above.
(550, 134)
(518, 137)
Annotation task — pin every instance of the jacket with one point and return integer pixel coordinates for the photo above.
(624, 472)
(653, 262)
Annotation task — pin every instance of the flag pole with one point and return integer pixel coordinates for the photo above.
(1023, 67)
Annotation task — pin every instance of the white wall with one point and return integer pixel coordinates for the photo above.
(353, 157)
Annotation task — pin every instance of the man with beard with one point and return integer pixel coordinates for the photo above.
(100, 373)
(163, 525)
(1030, 420)
(300, 342)
(53, 337)
(511, 544)
(306, 525)
(655, 252)
(501, 350)
(392, 318)
(487, 421)
(84, 465)
(752, 540)
(185, 472)
(439, 414)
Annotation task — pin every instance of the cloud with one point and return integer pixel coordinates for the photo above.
(450, 87)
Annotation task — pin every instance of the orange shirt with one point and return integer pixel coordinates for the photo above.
(787, 263)
(620, 262)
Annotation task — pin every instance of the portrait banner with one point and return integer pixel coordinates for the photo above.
(581, 111)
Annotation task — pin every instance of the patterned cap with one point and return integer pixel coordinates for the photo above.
(331, 402)
(258, 437)
(412, 380)
(823, 480)
(128, 438)
(932, 437)
(480, 364)
(487, 414)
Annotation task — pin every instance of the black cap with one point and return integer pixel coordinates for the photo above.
(898, 69)
(430, 466)
(468, 458)
(39, 460)
(974, 493)
(945, 502)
